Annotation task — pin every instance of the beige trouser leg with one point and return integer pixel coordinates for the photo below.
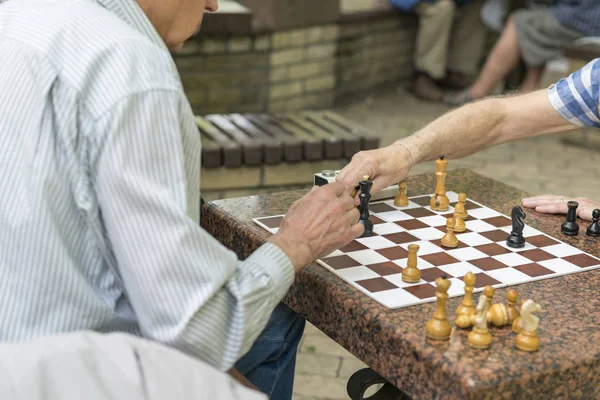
(433, 36)
(467, 40)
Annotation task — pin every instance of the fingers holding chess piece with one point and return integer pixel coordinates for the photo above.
(411, 273)
(527, 339)
(365, 197)
(480, 337)
(401, 199)
(438, 327)
(594, 229)
(449, 239)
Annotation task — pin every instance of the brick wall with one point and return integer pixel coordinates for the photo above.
(308, 68)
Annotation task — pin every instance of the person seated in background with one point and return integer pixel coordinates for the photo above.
(567, 105)
(535, 36)
(449, 44)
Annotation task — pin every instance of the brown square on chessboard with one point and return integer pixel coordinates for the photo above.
(272, 222)
(411, 224)
(422, 291)
(533, 270)
(376, 220)
(582, 260)
(381, 207)
(431, 274)
(541, 241)
(495, 236)
(419, 212)
(536, 255)
(422, 200)
(499, 221)
(438, 243)
(385, 268)
(400, 237)
(353, 246)
(482, 280)
(438, 259)
(393, 253)
(340, 262)
(374, 285)
(488, 264)
(492, 249)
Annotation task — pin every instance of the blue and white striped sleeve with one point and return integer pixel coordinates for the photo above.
(575, 97)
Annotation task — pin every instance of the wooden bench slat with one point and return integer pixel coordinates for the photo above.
(272, 147)
(333, 144)
(351, 143)
(369, 141)
(211, 152)
(252, 151)
(313, 147)
(231, 151)
(293, 148)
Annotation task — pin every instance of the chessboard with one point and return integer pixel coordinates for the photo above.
(374, 264)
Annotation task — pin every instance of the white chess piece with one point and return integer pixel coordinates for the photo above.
(482, 309)
(529, 320)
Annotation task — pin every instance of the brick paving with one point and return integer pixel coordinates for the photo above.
(539, 165)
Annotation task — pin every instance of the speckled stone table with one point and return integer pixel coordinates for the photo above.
(393, 342)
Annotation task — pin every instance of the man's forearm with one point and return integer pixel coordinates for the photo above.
(460, 133)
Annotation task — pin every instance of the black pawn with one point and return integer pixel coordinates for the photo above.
(516, 240)
(594, 229)
(570, 227)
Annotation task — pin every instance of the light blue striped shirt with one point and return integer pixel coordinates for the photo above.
(99, 190)
(575, 97)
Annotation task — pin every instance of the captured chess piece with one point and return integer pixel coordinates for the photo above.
(449, 239)
(467, 307)
(594, 229)
(411, 273)
(364, 197)
(527, 339)
(461, 206)
(570, 227)
(511, 299)
(401, 199)
(496, 314)
(517, 325)
(480, 337)
(438, 327)
(516, 240)
(439, 201)
(459, 223)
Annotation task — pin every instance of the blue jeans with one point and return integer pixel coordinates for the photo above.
(271, 361)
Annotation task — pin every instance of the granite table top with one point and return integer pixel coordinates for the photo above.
(393, 342)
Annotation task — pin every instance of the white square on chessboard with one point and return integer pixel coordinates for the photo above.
(460, 269)
(484, 212)
(427, 233)
(527, 246)
(457, 287)
(559, 266)
(509, 276)
(395, 298)
(561, 250)
(527, 231)
(367, 257)
(410, 205)
(387, 228)
(393, 216)
(467, 253)
(335, 253)
(424, 247)
(421, 264)
(433, 220)
(450, 210)
(512, 259)
(356, 273)
(274, 230)
(452, 196)
(473, 239)
(396, 279)
(479, 226)
(376, 242)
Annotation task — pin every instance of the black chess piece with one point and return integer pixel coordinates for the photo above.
(364, 197)
(594, 229)
(516, 240)
(570, 227)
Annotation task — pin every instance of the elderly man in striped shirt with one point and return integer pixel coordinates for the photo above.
(99, 195)
(569, 104)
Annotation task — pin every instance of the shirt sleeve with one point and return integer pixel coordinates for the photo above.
(187, 290)
(575, 97)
